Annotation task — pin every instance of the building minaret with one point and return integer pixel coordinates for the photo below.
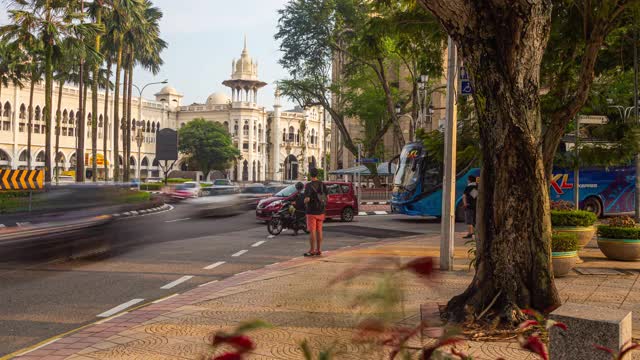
(275, 132)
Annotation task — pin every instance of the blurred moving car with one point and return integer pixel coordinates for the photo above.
(218, 201)
(253, 193)
(222, 182)
(187, 190)
(342, 202)
(153, 180)
(65, 179)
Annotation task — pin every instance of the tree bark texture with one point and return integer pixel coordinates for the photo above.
(48, 100)
(80, 128)
(30, 123)
(125, 118)
(129, 121)
(502, 46)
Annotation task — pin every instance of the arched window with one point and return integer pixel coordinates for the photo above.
(259, 177)
(72, 118)
(148, 128)
(145, 162)
(100, 122)
(157, 126)
(72, 161)
(226, 125)
(153, 127)
(23, 112)
(254, 170)
(23, 156)
(313, 135)
(60, 158)
(245, 128)
(292, 134)
(37, 113)
(65, 116)
(89, 120)
(245, 171)
(120, 161)
(132, 161)
(40, 157)
(284, 134)
(255, 130)
(260, 132)
(155, 162)
(235, 128)
(7, 110)
(4, 156)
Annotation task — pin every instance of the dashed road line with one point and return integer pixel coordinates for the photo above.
(176, 220)
(214, 265)
(120, 307)
(258, 243)
(210, 282)
(177, 282)
(110, 318)
(239, 253)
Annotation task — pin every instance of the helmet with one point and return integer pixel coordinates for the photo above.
(299, 186)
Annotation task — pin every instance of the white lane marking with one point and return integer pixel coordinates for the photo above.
(380, 212)
(276, 263)
(239, 253)
(176, 220)
(242, 273)
(210, 282)
(164, 298)
(120, 307)
(258, 243)
(41, 346)
(214, 265)
(177, 282)
(111, 318)
(167, 208)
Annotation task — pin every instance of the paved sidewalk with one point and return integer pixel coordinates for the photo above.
(295, 298)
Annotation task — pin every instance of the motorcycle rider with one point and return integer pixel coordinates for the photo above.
(300, 213)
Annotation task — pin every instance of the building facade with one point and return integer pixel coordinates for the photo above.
(268, 140)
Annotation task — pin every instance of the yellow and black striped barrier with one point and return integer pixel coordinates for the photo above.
(21, 180)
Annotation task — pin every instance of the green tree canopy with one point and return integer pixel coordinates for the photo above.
(208, 144)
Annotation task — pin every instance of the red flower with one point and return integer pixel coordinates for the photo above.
(228, 356)
(421, 266)
(527, 324)
(536, 346)
(241, 343)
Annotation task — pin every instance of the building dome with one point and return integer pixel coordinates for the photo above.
(168, 90)
(218, 98)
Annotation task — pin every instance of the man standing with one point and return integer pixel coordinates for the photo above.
(315, 197)
(469, 202)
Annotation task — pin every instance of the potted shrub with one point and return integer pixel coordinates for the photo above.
(564, 253)
(620, 239)
(576, 222)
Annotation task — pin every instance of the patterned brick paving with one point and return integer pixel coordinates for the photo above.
(296, 298)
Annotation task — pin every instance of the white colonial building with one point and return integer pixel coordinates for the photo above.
(275, 145)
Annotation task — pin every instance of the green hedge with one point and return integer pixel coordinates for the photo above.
(613, 232)
(572, 218)
(177, 180)
(563, 242)
(151, 186)
(136, 197)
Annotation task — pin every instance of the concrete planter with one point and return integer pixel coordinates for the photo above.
(620, 249)
(563, 262)
(584, 234)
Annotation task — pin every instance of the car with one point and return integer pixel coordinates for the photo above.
(217, 201)
(154, 180)
(253, 193)
(222, 182)
(342, 202)
(187, 190)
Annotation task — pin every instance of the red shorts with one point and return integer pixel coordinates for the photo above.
(314, 222)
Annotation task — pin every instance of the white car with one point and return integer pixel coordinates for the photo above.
(218, 201)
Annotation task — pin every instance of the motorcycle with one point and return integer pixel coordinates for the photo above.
(286, 219)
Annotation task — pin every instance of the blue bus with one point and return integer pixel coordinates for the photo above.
(417, 186)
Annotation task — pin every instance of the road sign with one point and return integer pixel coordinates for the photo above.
(21, 179)
(465, 87)
(593, 119)
(167, 145)
(369, 160)
(464, 75)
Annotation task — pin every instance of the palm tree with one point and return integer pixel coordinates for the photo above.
(12, 65)
(49, 21)
(96, 11)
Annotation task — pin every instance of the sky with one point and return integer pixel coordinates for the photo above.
(204, 36)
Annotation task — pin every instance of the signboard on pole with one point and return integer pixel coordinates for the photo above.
(465, 82)
(167, 145)
(21, 179)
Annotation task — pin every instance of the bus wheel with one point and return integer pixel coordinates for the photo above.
(593, 205)
(459, 213)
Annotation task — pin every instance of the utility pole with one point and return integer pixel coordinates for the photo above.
(449, 181)
(635, 107)
(576, 170)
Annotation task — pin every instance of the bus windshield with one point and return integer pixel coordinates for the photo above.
(407, 174)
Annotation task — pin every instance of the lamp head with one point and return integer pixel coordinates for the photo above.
(398, 109)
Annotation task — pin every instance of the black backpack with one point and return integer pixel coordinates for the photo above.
(319, 198)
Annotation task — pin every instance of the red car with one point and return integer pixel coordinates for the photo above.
(342, 202)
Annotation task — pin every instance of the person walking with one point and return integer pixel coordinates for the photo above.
(469, 198)
(315, 197)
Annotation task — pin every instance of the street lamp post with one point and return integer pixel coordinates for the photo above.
(140, 91)
(139, 139)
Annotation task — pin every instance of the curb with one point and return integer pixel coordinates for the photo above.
(375, 202)
(373, 213)
(129, 214)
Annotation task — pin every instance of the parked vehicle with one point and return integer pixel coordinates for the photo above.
(342, 202)
(286, 219)
(217, 201)
(187, 190)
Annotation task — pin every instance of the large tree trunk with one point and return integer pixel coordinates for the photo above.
(48, 111)
(502, 47)
(125, 142)
(116, 116)
(105, 130)
(80, 127)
